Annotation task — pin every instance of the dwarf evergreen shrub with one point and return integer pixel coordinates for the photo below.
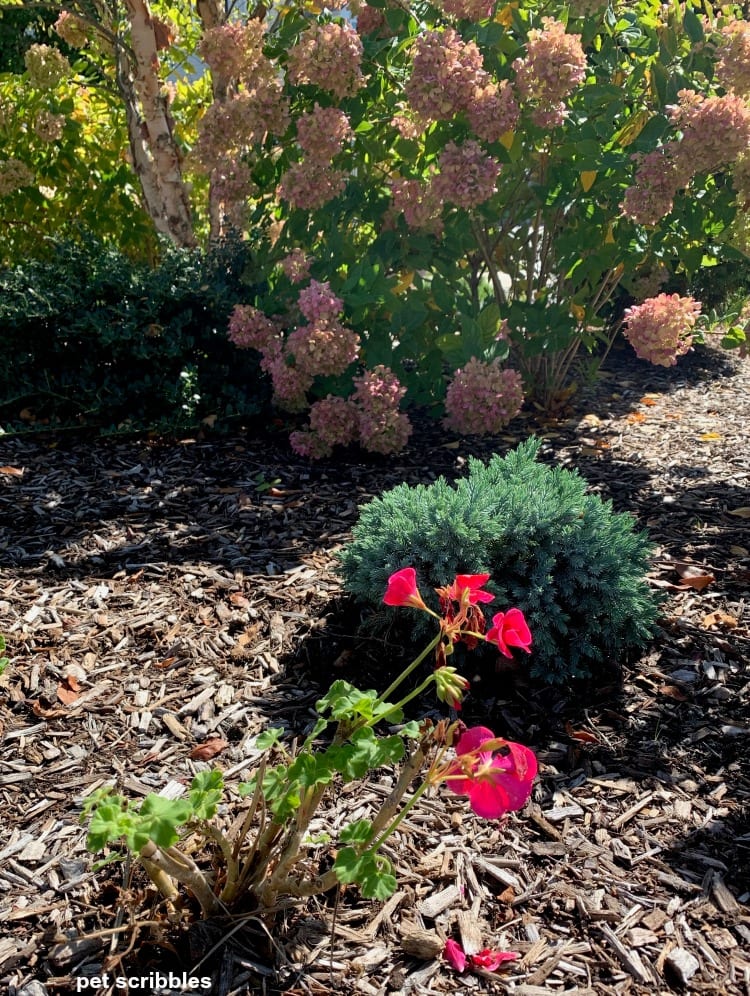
(94, 338)
(572, 565)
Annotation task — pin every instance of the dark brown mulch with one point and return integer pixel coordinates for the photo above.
(157, 594)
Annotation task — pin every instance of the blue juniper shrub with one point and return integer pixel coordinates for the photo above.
(572, 565)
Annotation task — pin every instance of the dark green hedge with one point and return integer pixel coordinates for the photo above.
(92, 338)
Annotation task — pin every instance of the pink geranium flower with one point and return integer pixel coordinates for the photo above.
(509, 629)
(496, 784)
(402, 589)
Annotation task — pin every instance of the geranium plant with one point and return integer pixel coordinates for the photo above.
(181, 842)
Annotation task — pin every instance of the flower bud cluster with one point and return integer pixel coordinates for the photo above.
(467, 175)
(482, 398)
(554, 65)
(733, 66)
(328, 56)
(322, 132)
(48, 126)
(659, 330)
(46, 66)
(71, 29)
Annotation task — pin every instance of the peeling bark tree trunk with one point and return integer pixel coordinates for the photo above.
(156, 158)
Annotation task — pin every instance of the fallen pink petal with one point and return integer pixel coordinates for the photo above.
(490, 961)
(454, 955)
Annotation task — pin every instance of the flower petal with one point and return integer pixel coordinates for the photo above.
(402, 589)
(454, 955)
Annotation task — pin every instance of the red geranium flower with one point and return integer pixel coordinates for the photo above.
(496, 783)
(402, 589)
(472, 585)
(509, 629)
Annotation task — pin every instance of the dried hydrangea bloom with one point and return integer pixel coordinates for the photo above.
(660, 329)
(482, 398)
(46, 66)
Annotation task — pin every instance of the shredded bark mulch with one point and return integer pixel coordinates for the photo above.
(158, 596)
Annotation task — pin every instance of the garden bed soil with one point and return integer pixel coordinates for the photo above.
(161, 595)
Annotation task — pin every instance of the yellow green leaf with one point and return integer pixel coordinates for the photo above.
(587, 179)
(632, 129)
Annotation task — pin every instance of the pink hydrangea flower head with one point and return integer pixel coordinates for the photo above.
(382, 427)
(733, 65)
(290, 384)
(419, 203)
(333, 422)
(496, 783)
(322, 132)
(493, 110)
(234, 49)
(445, 73)
(324, 348)
(482, 398)
(469, 10)
(46, 66)
(402, 589)
(48, 126)
(369, 19)
(509, 629)
(660, 329)
(14, 175)
(317, 302)
(659, 176)
(328, 56)
(715, 130)
(71, 29)
(296, 265)
(310, 184)
(467, 175)
(249, 328)
(554, 65)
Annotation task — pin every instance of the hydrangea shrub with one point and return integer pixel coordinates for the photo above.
(448, 170)
(574, 567)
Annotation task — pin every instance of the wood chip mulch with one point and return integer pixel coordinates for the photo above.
(167, 600)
